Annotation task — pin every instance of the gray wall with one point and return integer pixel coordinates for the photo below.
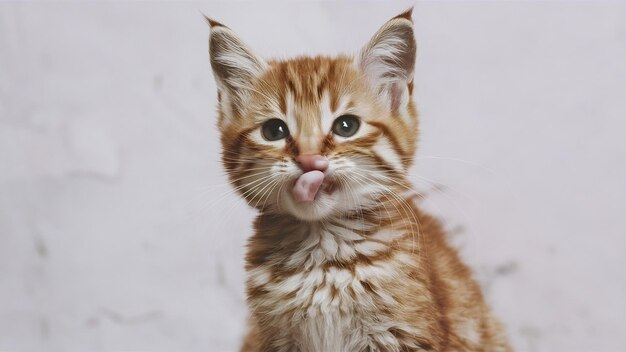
(117, 228)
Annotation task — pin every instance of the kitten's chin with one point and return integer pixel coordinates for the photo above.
(321, 208)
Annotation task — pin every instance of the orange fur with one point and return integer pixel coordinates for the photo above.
(361, 268)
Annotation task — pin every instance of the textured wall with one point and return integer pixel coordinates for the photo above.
(118, 232)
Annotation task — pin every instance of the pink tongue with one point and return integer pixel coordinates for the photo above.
(307, 185)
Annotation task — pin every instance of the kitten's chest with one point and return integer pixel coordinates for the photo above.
(325, 309)
(325, 298)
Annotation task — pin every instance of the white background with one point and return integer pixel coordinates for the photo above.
(117, 231)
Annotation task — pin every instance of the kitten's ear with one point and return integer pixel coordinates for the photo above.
(388, 60)
(234, 65)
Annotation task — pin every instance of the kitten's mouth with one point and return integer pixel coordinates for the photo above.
(328, 186)
(310, 184)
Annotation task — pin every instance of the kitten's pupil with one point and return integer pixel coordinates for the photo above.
(274, 129)
(346, 125)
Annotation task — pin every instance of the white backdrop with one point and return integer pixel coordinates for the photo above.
(116, 228)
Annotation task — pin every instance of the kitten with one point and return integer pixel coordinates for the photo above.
(341, 258)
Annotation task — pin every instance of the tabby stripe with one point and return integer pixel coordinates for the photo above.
(392, 138)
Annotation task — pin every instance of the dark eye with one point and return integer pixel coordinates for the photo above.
(346, 125)
(274, 129)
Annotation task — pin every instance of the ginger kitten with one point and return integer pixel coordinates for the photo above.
(341, 258)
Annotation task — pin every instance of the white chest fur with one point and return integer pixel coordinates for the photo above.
(318, 306)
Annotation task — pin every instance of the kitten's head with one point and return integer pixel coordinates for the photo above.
(317, 137)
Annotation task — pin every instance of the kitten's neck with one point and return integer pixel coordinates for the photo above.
(290, 243)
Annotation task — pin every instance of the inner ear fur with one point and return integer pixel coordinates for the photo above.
(234, 64)
(388, 59)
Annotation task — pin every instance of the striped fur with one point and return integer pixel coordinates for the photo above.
(361, 268)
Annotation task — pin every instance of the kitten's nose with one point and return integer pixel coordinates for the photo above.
(310, 162)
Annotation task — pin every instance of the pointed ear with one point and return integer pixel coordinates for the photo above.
(234, 65)
(388, 60)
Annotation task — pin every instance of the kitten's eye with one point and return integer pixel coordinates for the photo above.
(274, 129)
(346, 125)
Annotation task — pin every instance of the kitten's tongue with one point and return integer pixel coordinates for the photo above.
(307, 185)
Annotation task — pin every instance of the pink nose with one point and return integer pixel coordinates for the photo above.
(312, 162)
